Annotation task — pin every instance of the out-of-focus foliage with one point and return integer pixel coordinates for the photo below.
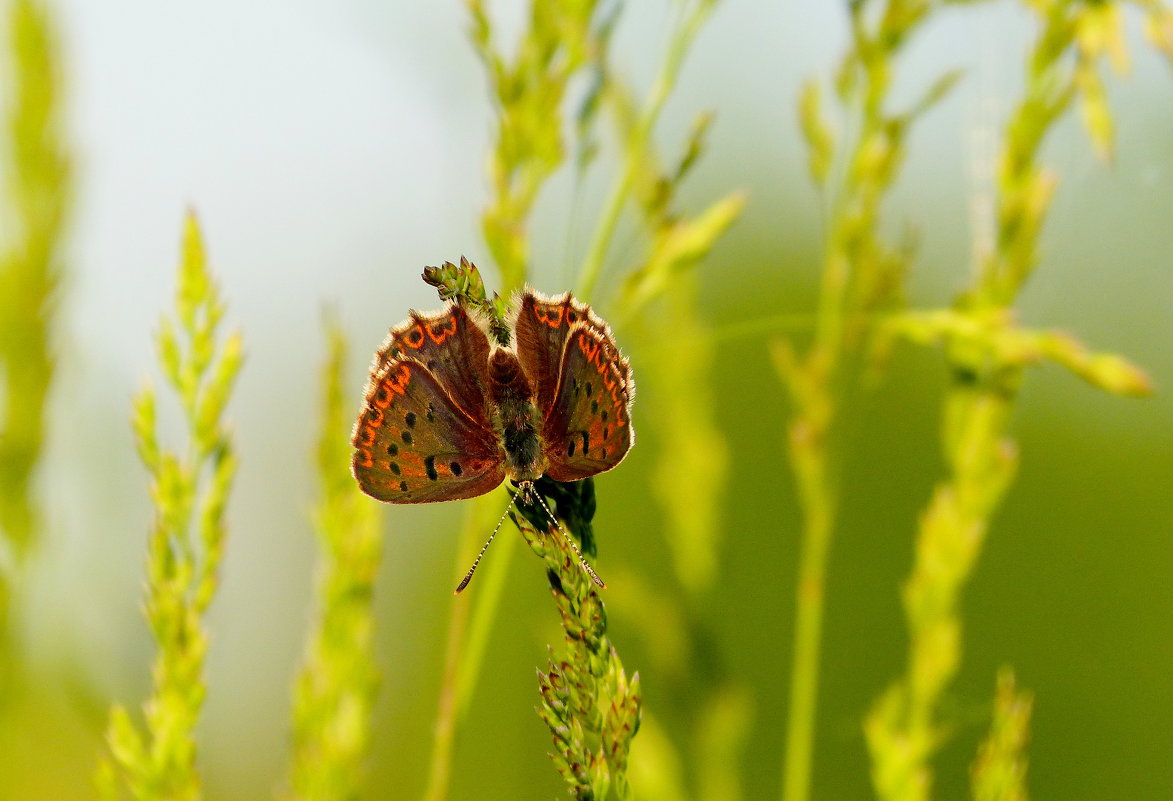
(337, 685)
(36, 191)
(986, 353)
(999, 772)
(530, 91)
(189, 487)
(862, 278)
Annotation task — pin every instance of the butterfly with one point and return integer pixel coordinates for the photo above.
(450, 414)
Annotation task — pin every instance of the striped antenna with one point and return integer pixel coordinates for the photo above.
(527, 491)
(468, 576)
(529, 488)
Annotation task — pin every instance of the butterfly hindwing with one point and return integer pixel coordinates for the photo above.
(587, 429)
(414, 444)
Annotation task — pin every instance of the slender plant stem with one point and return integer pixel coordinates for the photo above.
(464, 648)
(634, 148)
(440, 765)
(338, 681)
(808, 632)
(592, 265)
(489, 594)
(440, 768)
(35, 191)
(861, 273)
(906, 726)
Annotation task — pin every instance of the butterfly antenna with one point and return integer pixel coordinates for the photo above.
(468, 576)
(570, 541)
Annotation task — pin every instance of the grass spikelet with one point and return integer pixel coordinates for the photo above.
(189, 488)
(529, 91)
(999, 772)
(37, 192)
(590, 705)
(987, 353)
(336, 687)
(861, 277)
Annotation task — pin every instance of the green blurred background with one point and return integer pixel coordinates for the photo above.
(333, 149)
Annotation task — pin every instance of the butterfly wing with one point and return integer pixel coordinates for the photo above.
(414, 444)
(451, 346)
(586, 428)
(542, 327)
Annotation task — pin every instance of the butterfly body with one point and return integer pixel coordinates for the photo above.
(449, 414)
(516, 420)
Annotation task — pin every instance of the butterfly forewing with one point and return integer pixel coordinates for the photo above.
(414, 444)
(542, 327)
(587, 426)
(452, 347)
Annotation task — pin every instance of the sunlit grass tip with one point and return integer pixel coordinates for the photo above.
(336, 687)
(189, 490)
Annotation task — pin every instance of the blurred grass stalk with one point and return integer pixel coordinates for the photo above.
(862, 276)
(529, 94)
(673, 246)
(186, 543)
(37, 185)
(986, 354)
(338, 682)
(999, 772)
(659, 294)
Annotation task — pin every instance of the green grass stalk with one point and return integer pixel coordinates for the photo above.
(37, 185)
(636, 143)
(447, 713)
(660, 294)
(588, 702)
(659, 291)
(528, 148)
(999, 772)
(987, 354)
(861, 277)
(338, 682)
(186, 544)
(467, 638)
(676, 243)
(529, 91)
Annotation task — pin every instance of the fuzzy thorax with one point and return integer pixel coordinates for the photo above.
(514, 416)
